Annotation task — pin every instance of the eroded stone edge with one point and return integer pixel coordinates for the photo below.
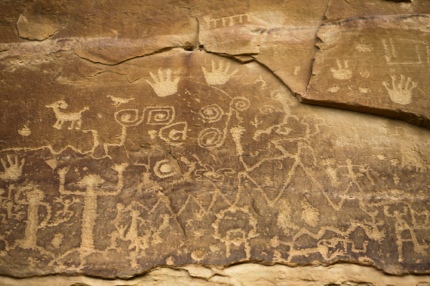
(240, 274)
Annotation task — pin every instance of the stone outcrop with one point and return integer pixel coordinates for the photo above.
(137, 138)
(242, 274)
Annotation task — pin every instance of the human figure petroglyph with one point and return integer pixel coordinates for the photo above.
(400, 93)
(354, 174)
(228, 228)
(74, 118)
(226, 21)
(342, 72)
(92, 184)
(402, 226)
(133, 224)
(33, 199)
(117, 101)
(164, 85)
(218, 75)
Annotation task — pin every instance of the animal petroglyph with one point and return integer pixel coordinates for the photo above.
(342, 72)
(400, 92)
(74, 118)
(218, 75)
(228, 173)
(117, 101)
(164, 85)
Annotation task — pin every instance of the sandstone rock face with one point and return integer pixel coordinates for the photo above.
(167, 133)
(375, 65)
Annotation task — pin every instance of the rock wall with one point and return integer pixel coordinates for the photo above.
(174, 139)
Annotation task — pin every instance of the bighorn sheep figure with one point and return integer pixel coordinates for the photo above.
(74, 118)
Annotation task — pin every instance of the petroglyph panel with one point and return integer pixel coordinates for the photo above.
(190, 165)
(156, 134)
(376, 66)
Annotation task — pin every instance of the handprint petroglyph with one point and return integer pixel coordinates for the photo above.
(400, 93)
(218, 75)
(12, 168)
(164, 85)
(342, 72)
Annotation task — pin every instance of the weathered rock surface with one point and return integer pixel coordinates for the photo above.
(128, 142)
(377, 65)
(242, 274)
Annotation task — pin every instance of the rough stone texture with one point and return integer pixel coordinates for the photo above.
(242, 274)
(375, 65)
(167, 133)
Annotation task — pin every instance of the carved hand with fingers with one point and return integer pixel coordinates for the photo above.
(342, 72)
(12, 168)
(219, 75)
(400, 93)
(164, 85)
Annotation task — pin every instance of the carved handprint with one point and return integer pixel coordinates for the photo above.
(402, 92)
(341, 73)
(164, 85)
(12, 168)
(220, 75)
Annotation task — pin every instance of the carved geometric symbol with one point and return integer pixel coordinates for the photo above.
(211, 113)
(160, 115)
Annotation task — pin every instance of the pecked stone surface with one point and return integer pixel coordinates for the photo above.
(375, 65)
(188, 164)
(122, 151)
